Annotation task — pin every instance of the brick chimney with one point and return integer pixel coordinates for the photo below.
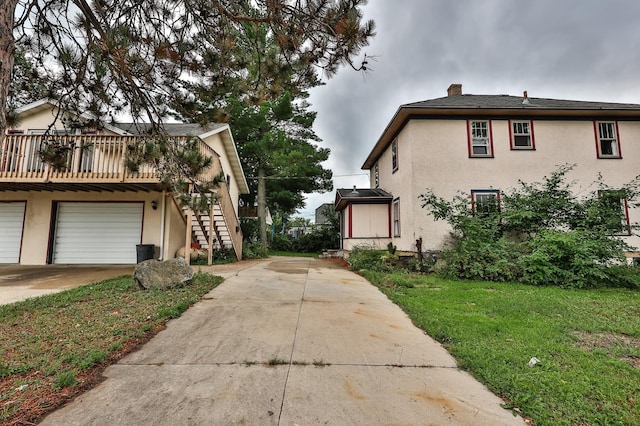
(454, 89)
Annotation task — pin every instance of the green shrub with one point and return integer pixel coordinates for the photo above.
(65, 379)
(281, 243)
(363, 258)
(541, 234)
(254, 251)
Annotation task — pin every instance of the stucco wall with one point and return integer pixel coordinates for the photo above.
(434, 154)
(36, 229)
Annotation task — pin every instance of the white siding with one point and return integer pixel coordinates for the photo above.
(11, 220)
(97, 232)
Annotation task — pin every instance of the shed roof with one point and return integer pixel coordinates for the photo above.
(344, 197)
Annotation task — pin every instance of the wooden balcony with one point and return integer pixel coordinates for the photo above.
(96, 163)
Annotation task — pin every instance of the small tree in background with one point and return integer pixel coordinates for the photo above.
(541, 233)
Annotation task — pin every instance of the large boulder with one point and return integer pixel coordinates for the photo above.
(163, 275)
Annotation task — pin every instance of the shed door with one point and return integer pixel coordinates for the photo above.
(97, 232)
(11, 221)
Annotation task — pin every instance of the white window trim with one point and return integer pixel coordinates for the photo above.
(484, 192)
(475, 141)
(615, 140)
(396, 217)
(394, 155)
(529, 134)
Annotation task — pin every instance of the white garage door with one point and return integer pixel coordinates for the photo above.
(11, 220)
(97, 232)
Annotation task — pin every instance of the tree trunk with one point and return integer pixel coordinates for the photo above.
(262, 206)
(7, 50)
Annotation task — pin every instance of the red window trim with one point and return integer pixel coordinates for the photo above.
(483, 191)
(350, 220)
(470, 149)
(597, 136)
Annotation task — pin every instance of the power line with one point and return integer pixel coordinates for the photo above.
(304, 177)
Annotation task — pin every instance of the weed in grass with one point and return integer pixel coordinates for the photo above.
(277, 361)
(65, 379)
(115, 346)
(94, 357)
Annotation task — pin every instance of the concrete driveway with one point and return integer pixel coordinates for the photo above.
(288, 341)
(20, 282)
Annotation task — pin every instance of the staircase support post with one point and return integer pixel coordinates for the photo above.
(210, 235)
(187, 240)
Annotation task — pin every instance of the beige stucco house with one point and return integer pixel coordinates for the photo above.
(95, 211)
(480, 145)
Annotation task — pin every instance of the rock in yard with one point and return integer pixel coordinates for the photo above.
(163, 275)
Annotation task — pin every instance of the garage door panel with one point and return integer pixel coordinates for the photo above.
(97, 232)
(11, 223)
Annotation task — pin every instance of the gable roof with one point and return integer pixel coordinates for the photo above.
(344, 197)
(498, 106)
(172, 129)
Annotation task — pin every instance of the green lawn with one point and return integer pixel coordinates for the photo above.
(54, 346)
(587, 341)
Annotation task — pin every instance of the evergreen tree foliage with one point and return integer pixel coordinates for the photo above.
(152, 59)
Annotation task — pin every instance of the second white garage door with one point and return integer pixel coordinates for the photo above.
(97, 232)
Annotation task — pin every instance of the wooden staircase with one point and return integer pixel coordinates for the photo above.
(203, 227)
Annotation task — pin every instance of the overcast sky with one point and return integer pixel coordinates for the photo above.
(563, 49)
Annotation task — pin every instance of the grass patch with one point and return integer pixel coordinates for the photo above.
(587, 341)
(64, 340)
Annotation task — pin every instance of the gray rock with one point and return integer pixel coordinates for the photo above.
(163, 275)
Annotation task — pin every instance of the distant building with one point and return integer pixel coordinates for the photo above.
(323, 212)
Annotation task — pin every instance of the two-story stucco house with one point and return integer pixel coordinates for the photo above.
(94, 211)
(480, 145)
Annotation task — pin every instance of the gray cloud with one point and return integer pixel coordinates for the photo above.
(566, 49)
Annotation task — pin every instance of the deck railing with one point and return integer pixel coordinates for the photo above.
(86, 158)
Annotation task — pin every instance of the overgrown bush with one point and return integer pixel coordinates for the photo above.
(540, 233)
(281, 242)
(366, 258)
(254, 251)
(250, 229)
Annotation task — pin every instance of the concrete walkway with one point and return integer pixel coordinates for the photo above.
(288, 341)
(21, 282)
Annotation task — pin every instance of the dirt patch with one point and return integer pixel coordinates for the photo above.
(334, 263)
(609, 341)
(288, 267)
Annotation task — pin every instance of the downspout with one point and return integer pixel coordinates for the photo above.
(163, 223)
